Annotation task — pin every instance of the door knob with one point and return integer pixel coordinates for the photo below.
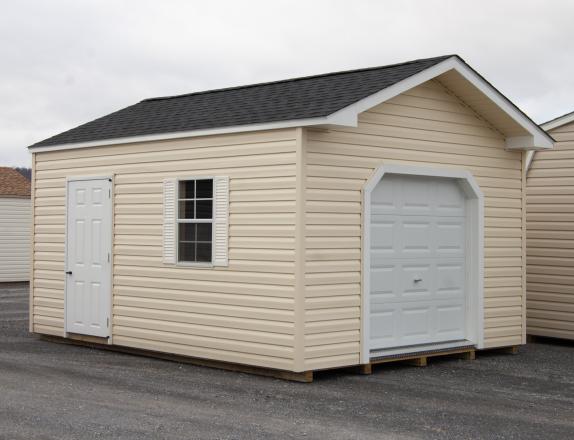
(68, 272)
(417, 279)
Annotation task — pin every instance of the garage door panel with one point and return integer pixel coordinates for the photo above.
(450, 279)
(384, 236)
(415, 281)
(418, 274)
(385, 199)
(384, 323)
(415, 322)
(417, 236)
(383, 282)
(449, 199)
(449, 236)
(415, 195)
(407, 280)
(450, 321)
(416, 233)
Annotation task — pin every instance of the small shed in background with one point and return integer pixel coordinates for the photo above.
(550, 234)
(15, 222)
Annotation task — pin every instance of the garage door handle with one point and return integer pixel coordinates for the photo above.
(417, 279)
(68, 272)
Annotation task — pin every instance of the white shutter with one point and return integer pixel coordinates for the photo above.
(169, 220)
(221, 220)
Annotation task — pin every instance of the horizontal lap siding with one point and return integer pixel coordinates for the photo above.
(15, 226)
(424, 126)
(550, 239)
(240, 313)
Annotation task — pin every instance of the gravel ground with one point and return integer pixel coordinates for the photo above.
(57, 391)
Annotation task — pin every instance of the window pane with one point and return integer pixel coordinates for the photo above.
(187, 232)
(186, 189)
(204, 208)
(204, 232)
(186, 209)
(186, 251)
(204, 252)
(204, 189)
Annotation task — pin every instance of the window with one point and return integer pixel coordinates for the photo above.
(195, 220)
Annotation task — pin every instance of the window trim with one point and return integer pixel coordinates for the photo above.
(197, 264)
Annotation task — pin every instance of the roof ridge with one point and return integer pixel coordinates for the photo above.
(300, 78)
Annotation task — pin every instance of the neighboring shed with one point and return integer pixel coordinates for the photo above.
(298, 225)
(550, 237)
(15, 222)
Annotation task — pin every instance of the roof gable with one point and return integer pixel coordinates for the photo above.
(322, 100)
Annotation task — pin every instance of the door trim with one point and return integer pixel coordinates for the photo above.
(474, 255)
(109, 178)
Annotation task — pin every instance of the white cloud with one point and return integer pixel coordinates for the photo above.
(65, 62)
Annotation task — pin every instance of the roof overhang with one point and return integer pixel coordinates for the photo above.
(526, 135)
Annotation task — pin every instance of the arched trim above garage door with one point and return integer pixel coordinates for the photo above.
(474, 257)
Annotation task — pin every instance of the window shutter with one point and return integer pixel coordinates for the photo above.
(221, 221)
(169, 220)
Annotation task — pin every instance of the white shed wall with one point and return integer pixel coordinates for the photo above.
(15, 221)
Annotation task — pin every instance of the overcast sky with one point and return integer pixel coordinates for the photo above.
(65, 62)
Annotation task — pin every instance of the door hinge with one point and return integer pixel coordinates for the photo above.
(108, 320)
(109, 193)
(108, 257)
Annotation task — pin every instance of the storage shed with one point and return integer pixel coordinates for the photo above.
(298, 225)
(550, 238)
(15, 226)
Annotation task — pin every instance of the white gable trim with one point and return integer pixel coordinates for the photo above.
(558, 122)
(348, 116)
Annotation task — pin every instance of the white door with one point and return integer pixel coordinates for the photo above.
(88, 256)
(417, 283)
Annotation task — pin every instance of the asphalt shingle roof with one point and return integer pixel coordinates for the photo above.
(298, 98)
(13, 184)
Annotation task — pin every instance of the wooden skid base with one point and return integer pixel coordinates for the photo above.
(418, 362)
(467, 355)
(364, 369)
(508, 350)
(422, 360)
(304, 376)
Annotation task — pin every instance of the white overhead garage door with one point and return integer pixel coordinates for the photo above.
(417, 257)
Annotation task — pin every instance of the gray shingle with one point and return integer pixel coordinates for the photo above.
(299, 98)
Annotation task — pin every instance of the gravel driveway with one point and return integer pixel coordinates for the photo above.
(56, 391)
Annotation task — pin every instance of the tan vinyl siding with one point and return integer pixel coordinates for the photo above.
(241, 313)
(15, 226)
(550, 238)
(425, 126)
